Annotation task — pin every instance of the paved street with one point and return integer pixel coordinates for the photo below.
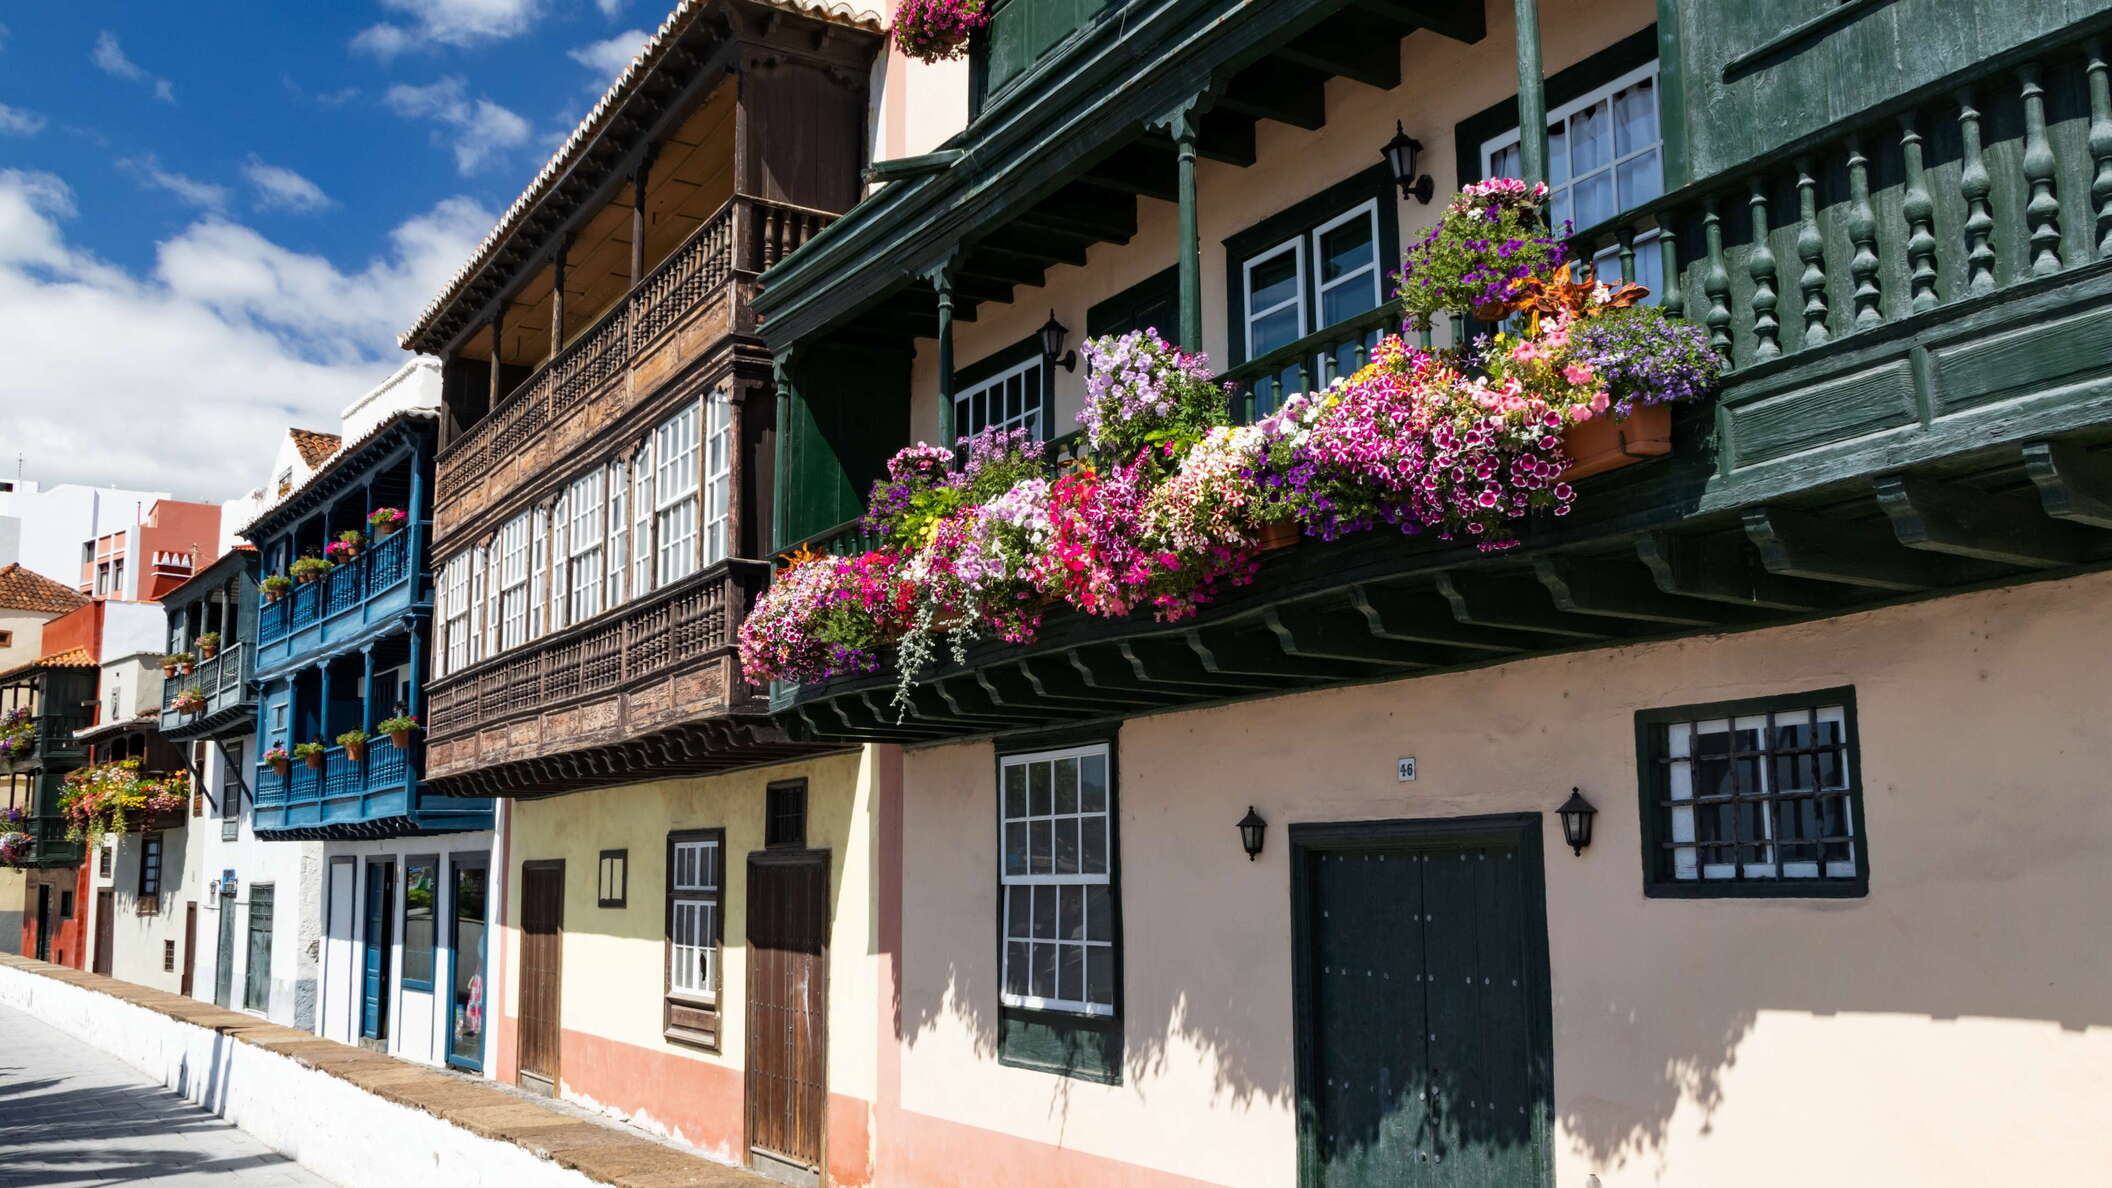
(69, 1114)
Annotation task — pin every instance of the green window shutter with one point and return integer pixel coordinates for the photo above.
(1021, 31)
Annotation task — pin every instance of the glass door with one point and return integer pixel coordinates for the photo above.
(465, 945)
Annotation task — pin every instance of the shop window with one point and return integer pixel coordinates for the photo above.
(1753, 798)
(421, 920)
(695, 869)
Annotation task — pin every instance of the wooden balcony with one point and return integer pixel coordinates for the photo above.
(650, 689)
(356, 597)
(224, 680)
(379, 796)
(683, 309)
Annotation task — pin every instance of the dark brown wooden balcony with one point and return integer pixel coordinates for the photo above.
(648, 690)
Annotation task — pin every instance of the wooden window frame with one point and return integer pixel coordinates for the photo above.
(153, 851)
(621, 883)
(677, 489)
(586, 533)
(616, 563)
(686, 1018)
(715, 517)
(1653, 760)
(777, 788)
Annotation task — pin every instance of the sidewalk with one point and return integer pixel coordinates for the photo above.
(552, 1131)
(71, 1114)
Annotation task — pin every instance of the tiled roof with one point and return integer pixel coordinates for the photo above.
(618, 93)
(336, 460)
(315, 447)
(26, 589)
(70, 658)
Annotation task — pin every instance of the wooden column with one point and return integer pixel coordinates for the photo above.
(366, 703)
(1184, 125)
(1532, 94)
(498, 335)
(414, 682)
(638, 183)
(942, 284)
(738, 476)
(557, 296)
(322, 708)
(780, 471)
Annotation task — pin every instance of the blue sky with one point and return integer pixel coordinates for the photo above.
(214, 217)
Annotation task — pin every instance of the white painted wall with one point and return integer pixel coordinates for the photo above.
(369, 1142)
(294, 871)
(43, 528)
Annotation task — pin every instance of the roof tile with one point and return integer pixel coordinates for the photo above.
(26, 589)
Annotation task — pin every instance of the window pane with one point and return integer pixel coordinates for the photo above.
(1589, 135)
(1016, 791)
(1016, 964)
(1272, 331)
(1019, 911)
(1044, 977)
(1635, 118)
(1272, 281)
(1557, 157)
(1067, 845)
(1066, 775)
(1038, 789)
(420, 884)
(1070, 914)
(1099, 913)
(1042, 857)
(1092, 846)
(1045, 912)
(1641, 180)
(1016, 848)
(1100, 975)
(1345, 249)
(1594, 199)
(1070, 973)
(1092, 775)
(1345, 301)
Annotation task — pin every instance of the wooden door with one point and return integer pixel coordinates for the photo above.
(190, 948)
(542, 952)
(105, 930)
(43, 922)
(787, 1083)
(374, 955)
(224, 973)
(1422, 1014)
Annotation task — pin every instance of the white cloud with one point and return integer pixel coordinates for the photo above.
(609, 8)
(435, 23)
(280, 188)
(607, 58)
(229, 339)
(109, 57)
(17, 121)
(476, 129)
(188, 190)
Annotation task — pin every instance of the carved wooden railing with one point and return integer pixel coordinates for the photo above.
(224, 680)
(1906, 210)
(692, 621)
(1261, 384)
(383, 566)
(745, 236)
(385, 768)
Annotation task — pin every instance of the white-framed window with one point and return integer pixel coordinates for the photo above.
(642, 521)
(1346, 271)
(513, 581)
(694, 872)
(1326, 274)
(1605, 154)
(480, 617)
(718, 475)
(538, 565)
(457, 607)
(1273, 288)
(675, 496)
(1055, 838)
(560, 510)
(1760, 793)
(618, 563)
(1009, 400)
(584, 544)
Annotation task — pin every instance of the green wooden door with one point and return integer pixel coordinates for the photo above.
(1422, 1032)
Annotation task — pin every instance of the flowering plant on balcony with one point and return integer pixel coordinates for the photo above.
(13, 815)
(105, 797)
(190, 701)
(1644, 356)
(208, 644)
(337, 552)
(935, 30)
(826, 616)
(15, 847)
(1141, 390)
(310, 753)
(385, 520)
(1479, 256)
(278, 757)
(18, 733)
(307, 569)
(275, 586)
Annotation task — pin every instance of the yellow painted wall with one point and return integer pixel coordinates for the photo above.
(1443, 82)
(613, 980)
(1954, 1028)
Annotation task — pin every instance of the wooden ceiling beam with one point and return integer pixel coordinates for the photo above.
(2073, 485)
(1847, 552)
(1617, 589)
(1963, 522)
(1485, 600)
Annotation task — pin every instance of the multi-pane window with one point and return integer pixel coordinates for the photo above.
(1753, 798)
(693, 874)
(642, 521)
(513, 581)
(1605, 154)
(256, 979)
(584, 544)
(539, 617)
(1009, 400)
(674, 496)
(1056, 835)
(1322, 276)
(718, 475)
(619, 532)
(456, 603)
(149, 865)
(785, 815)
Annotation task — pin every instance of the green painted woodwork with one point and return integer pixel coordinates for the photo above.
(1153, 303)
(1019, 34)
(849, 411)
(1069, 1045)
(1422, 1017)
(1766, 73)
(1532, 94)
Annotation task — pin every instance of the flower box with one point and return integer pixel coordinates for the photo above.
(1609, 443)
(1278, 534)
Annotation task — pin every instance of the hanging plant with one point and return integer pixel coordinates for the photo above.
(15, 848)
(110, 797)
(937, 30)
(1478, 258)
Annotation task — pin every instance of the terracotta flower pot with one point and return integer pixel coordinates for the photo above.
(351, 551)
(281, 766)
(314, 762)
(305, 578)
(1281, 534)
(208, 650)
(400, 739)
(1606, 443)
(356, 752)
(271, 596)
(168, 670)
(189, 667)
(384, 531)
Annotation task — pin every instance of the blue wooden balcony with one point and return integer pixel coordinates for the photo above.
(351, 601)
(224, 680)
(380, 796)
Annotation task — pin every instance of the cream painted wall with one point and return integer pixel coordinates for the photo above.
(1952, 1028)
(613, 958)
(137, 937)
(1292, 164)
(24, 631)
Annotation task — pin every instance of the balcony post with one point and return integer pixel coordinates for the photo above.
(638, 183)
(414, 682)
(942, 285)
(1532, 94)
(366, 703)
(414, 566)
(557, 295)
(498, 334)
(322, 709)
(780, 450)
(1184, 125)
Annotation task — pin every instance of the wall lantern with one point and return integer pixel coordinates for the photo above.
(1576, 821)
(1052, 352)
(1400, 154)
(1251, 828)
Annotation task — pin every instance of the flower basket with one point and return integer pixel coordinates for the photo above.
(282, 765)
(356, 752)
(1609, 443)
(314, 760)
(1278, 534)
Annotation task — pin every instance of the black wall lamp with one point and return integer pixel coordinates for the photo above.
(1576, 815)
(1400, 154)
(1251, 827)
(1052, 336)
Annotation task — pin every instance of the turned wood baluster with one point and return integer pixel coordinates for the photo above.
(1626, 238)
(1920, 211)
(1760, 264)
(1975, 185)
(1716, 280)
(2043, 210)
(2100, 144)
(1811, 249)
(1675, 296)
(1862, 232)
